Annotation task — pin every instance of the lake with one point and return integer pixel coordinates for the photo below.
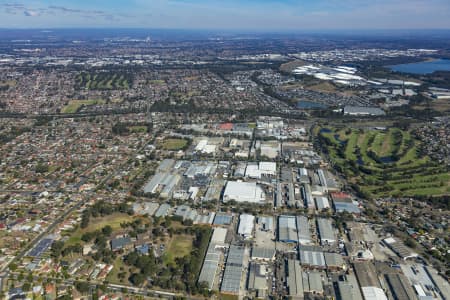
(425, 67)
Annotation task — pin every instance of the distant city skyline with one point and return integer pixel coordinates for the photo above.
(273, 15)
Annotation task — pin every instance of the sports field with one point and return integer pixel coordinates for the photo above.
(173, 144)
(384, 162)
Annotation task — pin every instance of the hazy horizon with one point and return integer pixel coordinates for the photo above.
(248, 15)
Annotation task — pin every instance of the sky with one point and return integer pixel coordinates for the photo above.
(273, 15)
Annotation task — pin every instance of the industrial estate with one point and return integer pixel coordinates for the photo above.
(227, 167)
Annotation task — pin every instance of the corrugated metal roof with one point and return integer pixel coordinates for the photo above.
(232, 276)
(219, 235)
(304, 234)
(263, 253)
(295, 278)
(312, 258)
(287, 229)
(333, 259)
(162, 210)
(246, 224)
(210, 266)
(326, 231)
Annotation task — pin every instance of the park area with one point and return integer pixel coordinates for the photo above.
(173, 144)
(113, 221)
(75, 105)
(382, 163)
(179, 246)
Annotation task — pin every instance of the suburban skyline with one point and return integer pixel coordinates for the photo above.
(233, 14)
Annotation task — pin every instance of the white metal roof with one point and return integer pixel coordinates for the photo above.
(246, 223)
(373, 293)
(219, 235)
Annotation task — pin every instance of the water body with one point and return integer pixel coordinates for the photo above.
(310, 105)
(422, 68)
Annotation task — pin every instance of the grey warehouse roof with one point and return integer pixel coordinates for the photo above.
(287, 229)
(231, 281)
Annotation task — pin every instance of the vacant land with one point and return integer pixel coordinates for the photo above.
(119, 267)
(75, 105)
(173, 144)
(384, 163)
(113, 220)
(179, 246)
(103, 81)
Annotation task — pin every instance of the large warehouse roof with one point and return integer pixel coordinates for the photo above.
(222, 219)
(210, 266)
(326, 231)
(243, 192)
(263, 253)
(219, 235)
(232, 276)
(304, 235)
(363, 111)
(254, 170)
(287, 229)
(246, 224)
(334, 260)
(373, 293)
(312, 258)
(295, 279)
(399, 248)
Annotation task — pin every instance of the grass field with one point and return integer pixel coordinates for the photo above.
(113, 276)
(157, 82)
(179, 246)
(75, 105)
(173, 144)
(103, 81)
(138, 129)
(113, 220)
(384, 163)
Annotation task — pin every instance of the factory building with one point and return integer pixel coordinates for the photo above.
(322, 203)
(399, 248)
(287, 229)
(303, 230)
(312, 257)
(163, 210)
(164, 183)
(263, 254)
(326, 232)
(257, 279)
(307, 197)
(246, 226)
(363, 111)
(244, 192)
(232, 275)
(313, 282)
(257, 171)
(295, 280)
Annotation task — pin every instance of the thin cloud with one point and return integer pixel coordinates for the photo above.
(53, 10)
(31, 13)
